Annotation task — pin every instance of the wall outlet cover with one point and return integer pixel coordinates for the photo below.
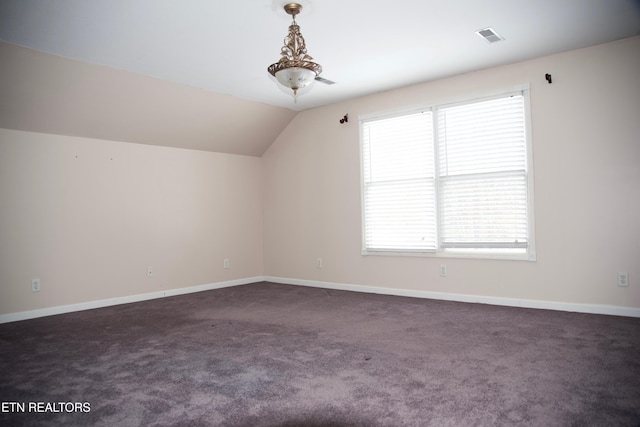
(443, 270)
(623, 278)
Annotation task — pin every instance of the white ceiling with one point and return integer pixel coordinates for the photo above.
(365, 46)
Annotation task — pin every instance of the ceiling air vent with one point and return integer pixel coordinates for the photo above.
(489, 35)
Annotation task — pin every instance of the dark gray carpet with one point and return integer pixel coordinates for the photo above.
(275, 355)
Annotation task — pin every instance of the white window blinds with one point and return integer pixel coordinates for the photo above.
(483, 174)
(399, 183)
(451, 178)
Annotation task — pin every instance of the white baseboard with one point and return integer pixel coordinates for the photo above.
(612, 310)
(509, 302)
(32, 314)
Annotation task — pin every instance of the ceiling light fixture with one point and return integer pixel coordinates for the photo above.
(296, 68)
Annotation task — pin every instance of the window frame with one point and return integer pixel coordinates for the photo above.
(529, 254)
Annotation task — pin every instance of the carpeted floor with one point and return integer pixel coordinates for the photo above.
(267, 354)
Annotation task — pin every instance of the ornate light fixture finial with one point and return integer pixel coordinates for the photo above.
(296, 68)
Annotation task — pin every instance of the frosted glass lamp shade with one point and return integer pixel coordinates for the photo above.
(295, 77)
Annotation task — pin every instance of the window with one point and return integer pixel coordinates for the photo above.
(451, 179)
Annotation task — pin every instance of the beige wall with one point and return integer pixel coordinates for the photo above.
(88, 217)
(586, 142)
(47, 93)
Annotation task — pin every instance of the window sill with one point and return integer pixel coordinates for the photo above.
(452, 254)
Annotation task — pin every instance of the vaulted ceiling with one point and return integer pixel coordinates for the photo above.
(192, 73)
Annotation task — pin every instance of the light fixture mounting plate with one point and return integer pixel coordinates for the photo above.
(292, 9)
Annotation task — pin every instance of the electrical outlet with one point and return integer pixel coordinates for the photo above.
(226, 263)
(443, 270)
(149, 272)
(623, 278)
(35, 285)
(319, 263)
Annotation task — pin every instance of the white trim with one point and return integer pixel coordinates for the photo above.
(89, 305)
(612, 310)
(531, 250)
(502, 256)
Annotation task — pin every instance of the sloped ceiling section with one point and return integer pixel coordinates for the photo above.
(41, 92)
